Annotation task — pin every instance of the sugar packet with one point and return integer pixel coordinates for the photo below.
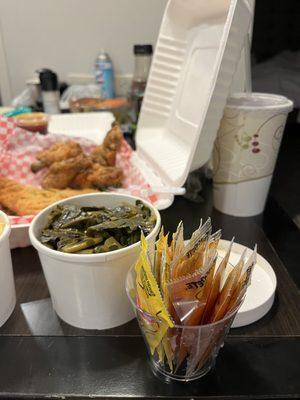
(155, 319)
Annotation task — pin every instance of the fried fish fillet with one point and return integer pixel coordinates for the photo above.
(58, 152)
(28, 200)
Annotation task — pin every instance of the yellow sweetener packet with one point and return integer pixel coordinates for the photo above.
(157, 320)
(165, 274)
(159, 247)
(2, 226)
(168, 351)
(160, 352)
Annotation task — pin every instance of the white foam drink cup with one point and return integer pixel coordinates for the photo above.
(246, 150)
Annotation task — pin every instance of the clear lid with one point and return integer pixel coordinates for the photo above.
(197, 52)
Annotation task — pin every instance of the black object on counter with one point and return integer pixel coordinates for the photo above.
(48, 79)
(143, 49)
(142, 63)
(50, 91)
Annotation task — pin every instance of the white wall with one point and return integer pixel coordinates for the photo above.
(67, 34)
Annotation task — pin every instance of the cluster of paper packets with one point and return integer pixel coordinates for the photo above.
(188, 295)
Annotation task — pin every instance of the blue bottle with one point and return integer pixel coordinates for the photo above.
(104, 75)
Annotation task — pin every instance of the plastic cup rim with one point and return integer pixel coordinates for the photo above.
(136, 307)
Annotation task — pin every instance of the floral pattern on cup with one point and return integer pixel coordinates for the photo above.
(247, 145)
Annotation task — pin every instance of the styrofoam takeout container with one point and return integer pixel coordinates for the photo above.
(7, 285)
(88, 290)
(196, 56)
(93, 125)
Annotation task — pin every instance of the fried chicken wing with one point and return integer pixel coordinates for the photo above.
(105, 154)
(70, 167)
(113, 138)
(98, 176)
(105, 176)
(97, 156)
(58, 152)
(29, 200)
(62, 173)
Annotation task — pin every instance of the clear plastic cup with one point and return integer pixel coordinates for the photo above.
(193, 348)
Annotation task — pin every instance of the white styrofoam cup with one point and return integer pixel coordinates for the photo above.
(246, 150)
(88, 290)
(7, 285)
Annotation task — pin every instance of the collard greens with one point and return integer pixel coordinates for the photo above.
(89, 230)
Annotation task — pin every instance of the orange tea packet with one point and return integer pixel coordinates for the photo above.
(156, 320)
(177, 244)
(227, 291)
(215, 286)
(244, 282)
(212, 245)
(187, 298)
(190, 339)
(189, 293)
(186, 293)
(193, 255)
(210, 257)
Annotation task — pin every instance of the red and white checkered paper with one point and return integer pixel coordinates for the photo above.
(18, 149)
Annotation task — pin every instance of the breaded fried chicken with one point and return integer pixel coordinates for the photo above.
(104, 157)
(113, 138)
(105, 154)
(98, 176)
(62, 173)
(58, 152)
(70, 167)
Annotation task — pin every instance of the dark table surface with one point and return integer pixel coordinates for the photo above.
(43, 357)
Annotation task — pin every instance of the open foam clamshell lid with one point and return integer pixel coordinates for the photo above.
(197, 52)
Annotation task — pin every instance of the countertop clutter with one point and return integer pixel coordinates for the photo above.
(54, 359)
(146, 250)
